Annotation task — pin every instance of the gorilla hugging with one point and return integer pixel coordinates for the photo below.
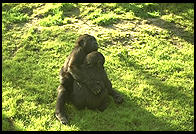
(83, 80)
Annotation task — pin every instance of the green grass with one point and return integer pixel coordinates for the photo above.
(149, 55)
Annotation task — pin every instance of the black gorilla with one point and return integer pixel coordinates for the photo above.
(96, 95)
(83, 80)
(71, 70)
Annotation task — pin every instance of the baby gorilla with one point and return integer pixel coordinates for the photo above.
(96, 95)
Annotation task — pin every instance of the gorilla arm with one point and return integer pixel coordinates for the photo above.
(116, 96)
(74, 66)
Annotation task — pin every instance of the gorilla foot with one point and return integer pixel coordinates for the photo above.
(62, 118)
(118, 99)
(102, 107)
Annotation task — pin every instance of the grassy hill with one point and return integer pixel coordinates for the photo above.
(149, 51)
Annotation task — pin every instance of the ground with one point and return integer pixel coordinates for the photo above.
(149, 51)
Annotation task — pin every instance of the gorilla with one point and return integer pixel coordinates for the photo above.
(96, 95)
(71, 70)
(83, 80)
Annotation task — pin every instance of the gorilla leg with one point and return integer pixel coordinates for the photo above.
(116, 96)
(104, 104)
(64, 91)
(61, 99)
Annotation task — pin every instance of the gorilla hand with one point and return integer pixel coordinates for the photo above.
(62, 118)
(118, 99)
(96, 87)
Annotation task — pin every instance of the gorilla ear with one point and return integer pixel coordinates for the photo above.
(100, 63)
(81, 43)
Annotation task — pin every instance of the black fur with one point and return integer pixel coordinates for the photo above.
(71, 70)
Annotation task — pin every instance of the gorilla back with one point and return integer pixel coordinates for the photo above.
(94, 94)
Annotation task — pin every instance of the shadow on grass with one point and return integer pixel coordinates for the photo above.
(22, 77)
(128, 116)
(38, 91)
(143, 13)
(8, 125)
(141, 119)
(169, 92)
(134, 118)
